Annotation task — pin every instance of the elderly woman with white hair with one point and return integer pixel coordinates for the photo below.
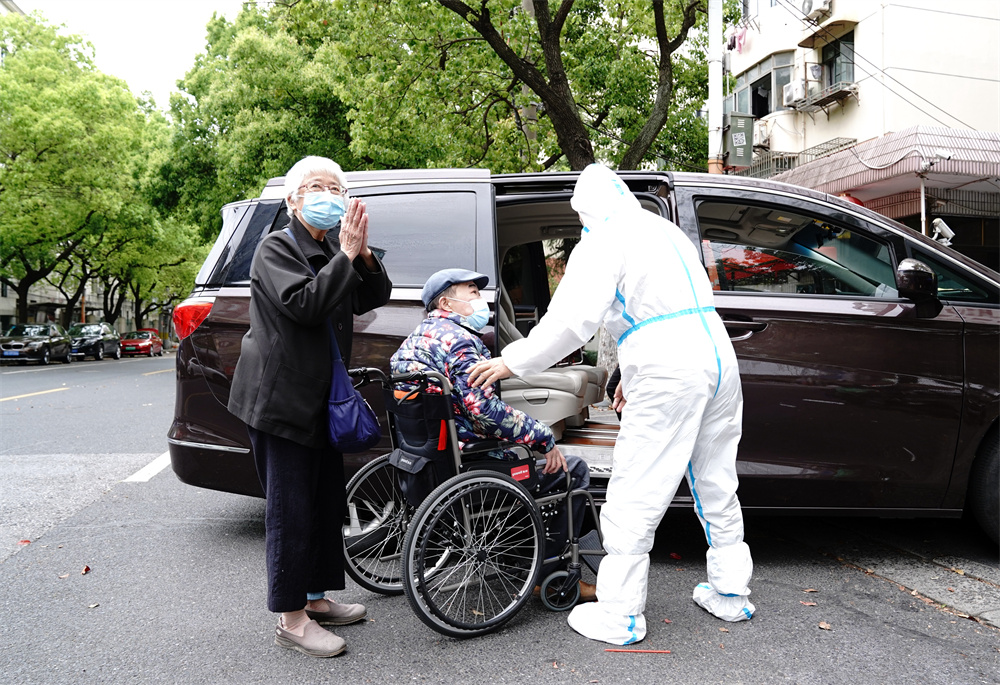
(307, 282)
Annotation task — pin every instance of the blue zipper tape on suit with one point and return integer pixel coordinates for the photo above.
(694, 294)
(697, 504)
(621, 298)
(663, 317)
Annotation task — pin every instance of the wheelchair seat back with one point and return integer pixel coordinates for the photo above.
(423, 426)
(426, 454)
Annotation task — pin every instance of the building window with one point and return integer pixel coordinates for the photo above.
(759, 89)
(838, 60)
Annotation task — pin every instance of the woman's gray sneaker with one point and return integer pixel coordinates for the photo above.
(338, 614)
(315, 641)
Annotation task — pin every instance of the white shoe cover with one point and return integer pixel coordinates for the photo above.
(727, 607)
(592, 621)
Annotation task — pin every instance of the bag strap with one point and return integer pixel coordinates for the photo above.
(333, 336)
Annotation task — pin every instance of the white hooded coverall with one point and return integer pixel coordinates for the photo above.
(642, 277)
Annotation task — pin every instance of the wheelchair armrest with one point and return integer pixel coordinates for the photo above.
(486, 445)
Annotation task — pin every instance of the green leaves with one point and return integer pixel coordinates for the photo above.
(77, 151)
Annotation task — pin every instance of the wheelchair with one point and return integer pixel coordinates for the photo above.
(458, 531)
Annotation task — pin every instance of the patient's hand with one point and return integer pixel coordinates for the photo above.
(488, 372)
(554, 461)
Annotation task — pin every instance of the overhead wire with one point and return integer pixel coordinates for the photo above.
(797, 14)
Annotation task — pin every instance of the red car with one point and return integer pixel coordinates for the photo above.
(144, 341)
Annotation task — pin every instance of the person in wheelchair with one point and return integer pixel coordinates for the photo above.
(448, 341)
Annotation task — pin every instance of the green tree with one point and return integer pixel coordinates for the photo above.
(252, 105)
(457, 84)
(68, 141)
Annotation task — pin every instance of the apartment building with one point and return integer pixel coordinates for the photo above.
(893, 104)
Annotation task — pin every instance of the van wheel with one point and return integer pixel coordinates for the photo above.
(984, 487)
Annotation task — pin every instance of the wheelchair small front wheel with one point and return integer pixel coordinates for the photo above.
(377, 516)
(558, 593)
(473, 553)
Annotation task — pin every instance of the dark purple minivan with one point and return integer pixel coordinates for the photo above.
(870, 354)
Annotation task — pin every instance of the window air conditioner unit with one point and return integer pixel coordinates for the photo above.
(793, 92)
(814, 9)
(761, 135)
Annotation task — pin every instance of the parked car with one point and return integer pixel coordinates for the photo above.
(96, 340)
(868, 352)
(144, 341)
(40, 342)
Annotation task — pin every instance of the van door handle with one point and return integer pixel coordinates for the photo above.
(741, 330)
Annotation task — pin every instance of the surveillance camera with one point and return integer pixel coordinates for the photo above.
(942, 233)
(943, 154)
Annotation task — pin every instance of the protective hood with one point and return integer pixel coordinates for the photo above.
(600, 194)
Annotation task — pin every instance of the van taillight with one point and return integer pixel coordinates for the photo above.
(189, 314)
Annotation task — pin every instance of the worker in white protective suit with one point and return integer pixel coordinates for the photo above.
(642, 277)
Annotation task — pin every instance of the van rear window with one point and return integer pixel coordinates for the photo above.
(230, 264)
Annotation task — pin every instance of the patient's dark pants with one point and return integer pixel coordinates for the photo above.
(555, 519)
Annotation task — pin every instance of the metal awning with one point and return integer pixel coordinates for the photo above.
(890, 164)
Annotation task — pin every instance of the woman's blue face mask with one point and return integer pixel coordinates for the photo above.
(323, 210)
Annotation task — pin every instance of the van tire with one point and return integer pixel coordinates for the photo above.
(984, 487)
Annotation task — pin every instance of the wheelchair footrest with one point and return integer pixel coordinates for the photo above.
(591, 541)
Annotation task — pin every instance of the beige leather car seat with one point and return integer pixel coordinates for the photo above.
(543, 395)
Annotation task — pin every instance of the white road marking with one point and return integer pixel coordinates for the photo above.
(149, 470)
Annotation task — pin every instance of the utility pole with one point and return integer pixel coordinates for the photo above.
(715, 158)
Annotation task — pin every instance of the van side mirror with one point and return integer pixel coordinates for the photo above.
(917, 282)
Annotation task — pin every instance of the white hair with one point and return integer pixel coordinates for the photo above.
(312, 166)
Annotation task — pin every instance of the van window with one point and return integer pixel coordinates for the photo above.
(955, 286)
(764, 249)
(422, 233)
(230, 264)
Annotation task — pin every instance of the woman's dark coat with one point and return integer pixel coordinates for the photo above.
(282, 380)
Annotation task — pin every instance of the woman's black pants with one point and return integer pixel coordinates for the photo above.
(304, 518)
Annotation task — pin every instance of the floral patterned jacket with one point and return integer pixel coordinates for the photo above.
(440, 343)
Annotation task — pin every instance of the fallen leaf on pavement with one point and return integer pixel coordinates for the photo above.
(92, 606)
(675, 555)
(555, 665)
(85, 571)
(65, 575)
(24, 542)
(914, 593)
(721, 646)
(959, 571)
(809, 589)
(667, 620)
(951, 589)
(723, 630)
(824, 625)
(808, 604)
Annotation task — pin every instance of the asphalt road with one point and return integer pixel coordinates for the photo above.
(175, 588)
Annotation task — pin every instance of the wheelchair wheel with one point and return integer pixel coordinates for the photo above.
(558, 594)
(473, 553)
(377, 516)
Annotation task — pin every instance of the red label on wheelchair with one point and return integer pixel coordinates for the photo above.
(521, 472)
